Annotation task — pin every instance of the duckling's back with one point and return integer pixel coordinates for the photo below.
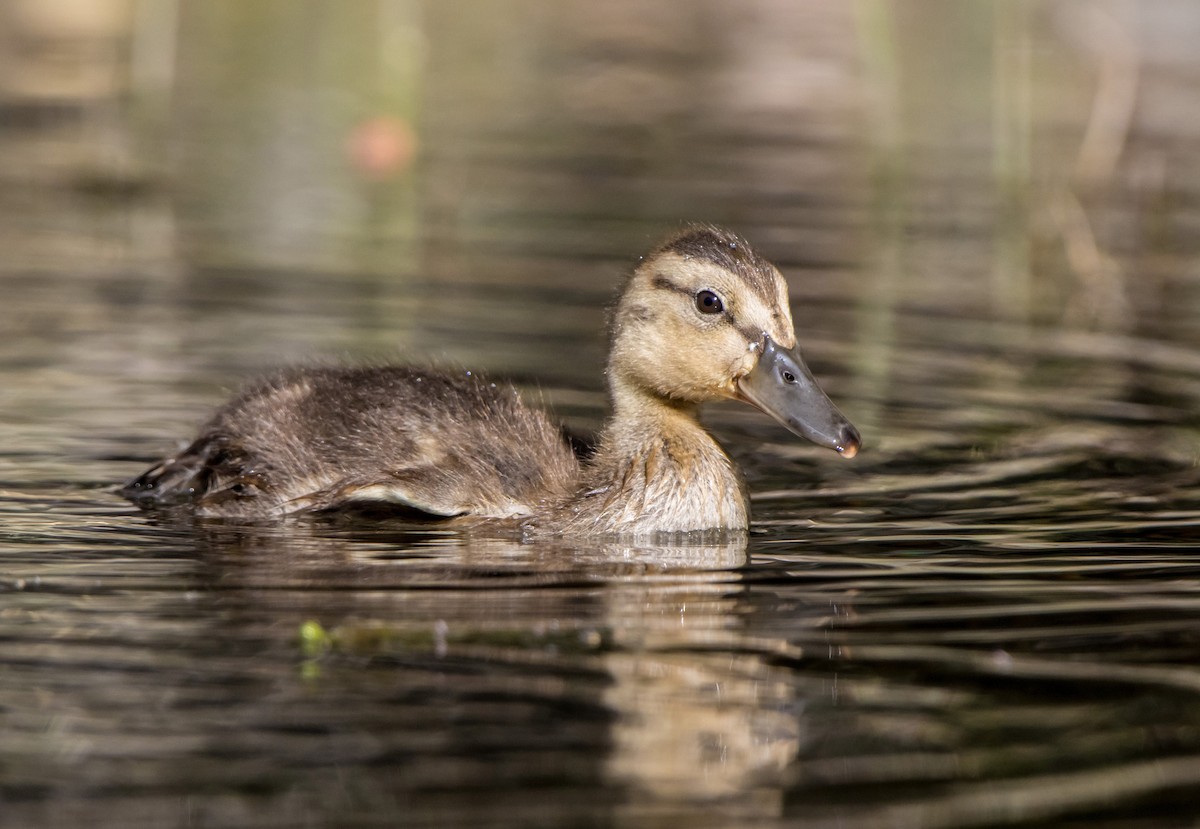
(318, 438)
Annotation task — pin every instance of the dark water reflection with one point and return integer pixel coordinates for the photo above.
(990, 617)
(854, 672)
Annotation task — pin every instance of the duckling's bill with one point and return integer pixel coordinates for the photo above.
(782, 386)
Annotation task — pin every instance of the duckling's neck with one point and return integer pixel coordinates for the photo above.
(657, 471)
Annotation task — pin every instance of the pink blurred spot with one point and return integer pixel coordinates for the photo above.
(381, 148)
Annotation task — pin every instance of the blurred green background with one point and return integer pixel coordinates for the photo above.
(1033, 160)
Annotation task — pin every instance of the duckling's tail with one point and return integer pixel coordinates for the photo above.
(182, 478)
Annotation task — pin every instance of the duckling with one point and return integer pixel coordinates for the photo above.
(702, 317)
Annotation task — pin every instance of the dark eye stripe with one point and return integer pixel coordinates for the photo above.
(752, 335)
(663, 284)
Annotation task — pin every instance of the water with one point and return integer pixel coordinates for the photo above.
(990, 617)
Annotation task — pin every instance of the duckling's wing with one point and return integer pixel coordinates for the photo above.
(421, 499)
(213, 479)
(433, 490)
(319, 439)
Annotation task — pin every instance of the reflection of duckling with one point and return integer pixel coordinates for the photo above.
(702, 318)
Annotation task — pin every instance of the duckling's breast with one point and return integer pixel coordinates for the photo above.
(667, 484)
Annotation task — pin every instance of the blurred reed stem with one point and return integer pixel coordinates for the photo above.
(1012, 130)
(877, 38)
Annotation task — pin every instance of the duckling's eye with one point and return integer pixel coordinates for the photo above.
(707, 302)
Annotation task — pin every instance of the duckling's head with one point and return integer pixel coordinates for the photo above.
(703, 317)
